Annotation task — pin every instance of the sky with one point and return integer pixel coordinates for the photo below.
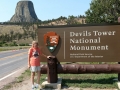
(46, 9)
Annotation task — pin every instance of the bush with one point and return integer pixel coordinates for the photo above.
(20, 48)
(22, 44)
(5, 44)
(13, 44)
(0, 45)
(2, 42)
(27, 44)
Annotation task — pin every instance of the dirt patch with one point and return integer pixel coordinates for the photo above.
(25, 85)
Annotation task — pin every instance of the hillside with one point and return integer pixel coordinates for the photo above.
(64, 21)
(8, 28)
(18, 33)
(26, 33)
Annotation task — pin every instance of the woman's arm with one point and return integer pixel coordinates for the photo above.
(45, 55)
(29, 56)
(41, 54)
(28, 60)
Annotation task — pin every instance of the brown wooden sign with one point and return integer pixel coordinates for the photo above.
(83, 43)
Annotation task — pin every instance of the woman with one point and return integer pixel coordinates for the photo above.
(34, 54)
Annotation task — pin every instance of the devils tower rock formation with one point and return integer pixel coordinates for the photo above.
(24, 12)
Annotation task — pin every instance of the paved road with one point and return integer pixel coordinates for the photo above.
(10, 61)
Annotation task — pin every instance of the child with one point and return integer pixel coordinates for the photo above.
(34, 62)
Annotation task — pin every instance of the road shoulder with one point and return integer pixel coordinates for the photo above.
(11, 77)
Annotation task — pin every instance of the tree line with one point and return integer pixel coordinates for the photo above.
(39, 22)
(103, 11)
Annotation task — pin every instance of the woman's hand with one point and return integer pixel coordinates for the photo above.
(48, 57)
(29, 66)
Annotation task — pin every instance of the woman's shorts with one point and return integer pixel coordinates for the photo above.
(35, 68)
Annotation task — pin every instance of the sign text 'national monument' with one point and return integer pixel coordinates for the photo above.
(83, 43)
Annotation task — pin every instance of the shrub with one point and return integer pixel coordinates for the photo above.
(22, 44)
(26, 44)
(0, 45)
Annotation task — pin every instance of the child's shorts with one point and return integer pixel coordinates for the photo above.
(35, 68)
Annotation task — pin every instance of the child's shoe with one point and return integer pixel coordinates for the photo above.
(33, 87)
(37, 86)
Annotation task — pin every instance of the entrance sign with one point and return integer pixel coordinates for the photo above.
(83, 43)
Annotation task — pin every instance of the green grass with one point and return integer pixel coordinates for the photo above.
(101, 81)
(23, 76)
(13, 48)
(7, 87)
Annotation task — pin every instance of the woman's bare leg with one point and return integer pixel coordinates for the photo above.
(38, 77)
(32, 77)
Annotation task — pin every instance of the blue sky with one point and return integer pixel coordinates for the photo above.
(46, 9)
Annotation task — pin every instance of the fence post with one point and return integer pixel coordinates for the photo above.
(118, 74)
(52, 70)
(118, 62)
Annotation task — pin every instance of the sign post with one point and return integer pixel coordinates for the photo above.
(118, 74)
(52, 70)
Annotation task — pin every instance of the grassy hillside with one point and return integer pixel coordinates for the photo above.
(17, 33)
(8, 28)
(20, 33)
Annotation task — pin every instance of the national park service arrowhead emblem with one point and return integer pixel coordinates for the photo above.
(51, 40)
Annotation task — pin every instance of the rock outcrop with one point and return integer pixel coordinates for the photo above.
(24, 12)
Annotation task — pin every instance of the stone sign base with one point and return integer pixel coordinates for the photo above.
(56, 86)
(118, 85)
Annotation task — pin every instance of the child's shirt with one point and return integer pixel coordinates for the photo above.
(34, 56)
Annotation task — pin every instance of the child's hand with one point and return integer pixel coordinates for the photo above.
(29, 66)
